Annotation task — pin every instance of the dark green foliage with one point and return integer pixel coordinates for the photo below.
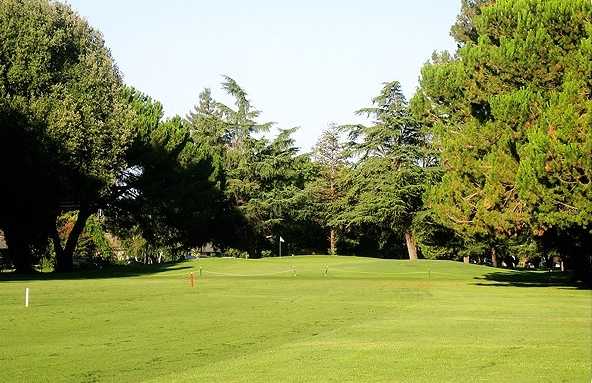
(385, 187)
(324, 193)
(93, 248)
(267, 188)
(171, 190)
(263, 180)
(492, 156)
(435, 240)
(63, 124)
(511, 118)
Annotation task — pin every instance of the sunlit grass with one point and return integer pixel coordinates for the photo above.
(297, 319)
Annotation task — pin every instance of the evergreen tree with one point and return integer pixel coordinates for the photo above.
(263, 179)
(388, 178)
(511, 118)
(171, 194)
(329, 154)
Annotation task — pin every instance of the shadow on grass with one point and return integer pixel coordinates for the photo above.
(530, 279)
(111, 271)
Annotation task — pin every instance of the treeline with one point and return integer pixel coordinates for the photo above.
(490, 161)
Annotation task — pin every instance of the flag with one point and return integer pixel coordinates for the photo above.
(281, 239)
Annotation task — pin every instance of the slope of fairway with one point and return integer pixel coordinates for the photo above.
(297, 319)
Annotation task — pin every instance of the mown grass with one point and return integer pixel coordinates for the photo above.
(367, 320)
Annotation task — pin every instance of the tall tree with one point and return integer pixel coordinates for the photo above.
(329, 153)
(388, 180)
(263, 179)
(512, 122)
(171, 193)
(240, 121)
(464, 29)
(63, 124)
(206, 124)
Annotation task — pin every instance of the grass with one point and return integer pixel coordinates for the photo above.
(368, 320)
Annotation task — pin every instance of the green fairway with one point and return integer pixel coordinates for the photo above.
(367, 320)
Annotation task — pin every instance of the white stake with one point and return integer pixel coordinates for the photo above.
(27, 297)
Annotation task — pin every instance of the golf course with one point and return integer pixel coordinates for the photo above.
(296, 319)
(265, 191)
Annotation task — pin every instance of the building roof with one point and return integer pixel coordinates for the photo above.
(208, 248)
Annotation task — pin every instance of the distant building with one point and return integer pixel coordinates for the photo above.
(2, 241)
(4, 264)
(116, 246)
(206, 250)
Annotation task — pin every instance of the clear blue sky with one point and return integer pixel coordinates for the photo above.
(304, 63)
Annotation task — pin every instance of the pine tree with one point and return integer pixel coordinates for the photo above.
(388, 179)
(329, 154)
(511, 117)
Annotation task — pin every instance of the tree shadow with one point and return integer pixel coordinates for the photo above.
(111, 271)
(516, 278)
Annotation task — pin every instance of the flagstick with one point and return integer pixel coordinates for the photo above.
(27, 297)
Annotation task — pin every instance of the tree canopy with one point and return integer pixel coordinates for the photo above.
(388, 178)
(491, 157)
(511, 116)
(64, 125)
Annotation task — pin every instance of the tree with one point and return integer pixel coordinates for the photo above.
(93, 245)
(171, 193)
(228, 131)
(263, 179)
(207, 126)
(63, 125)
(268, 190)
(464, 29)
(241, 121)
(388, 179)
(512, 122)
(329, 154)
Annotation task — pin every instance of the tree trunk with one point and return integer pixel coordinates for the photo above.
(57, 243)
(332, 242)
(411, 245)
(65, 262)
(19, 250)
(493, 257)
(466, 259)
(332, 237)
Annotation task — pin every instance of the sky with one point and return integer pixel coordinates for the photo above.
(303, 63)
